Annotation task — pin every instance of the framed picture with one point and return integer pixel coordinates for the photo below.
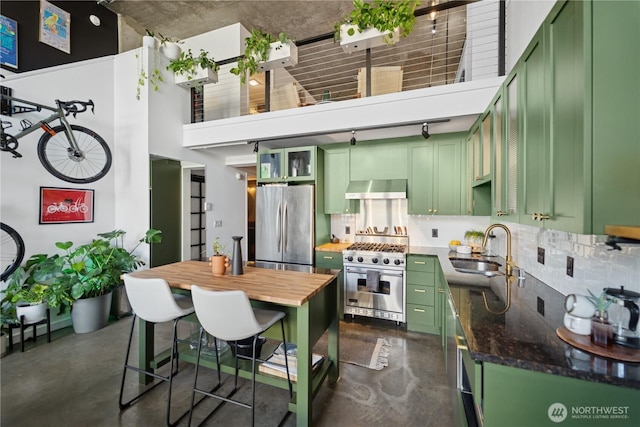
(65, 205)
(8, 42)
(55, 26)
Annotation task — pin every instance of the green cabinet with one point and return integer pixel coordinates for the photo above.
(287, 165)
(379, 160)
(333, 260)
(422, 310)
(513, 396)
(436, 176)
(579, 109)
(336, 172)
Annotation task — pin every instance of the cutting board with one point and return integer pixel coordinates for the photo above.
(583, 342)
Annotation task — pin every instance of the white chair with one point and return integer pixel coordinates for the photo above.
(152, 300)
(228, 315)
(383, 80)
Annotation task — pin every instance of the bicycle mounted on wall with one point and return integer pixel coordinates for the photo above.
(70, 152)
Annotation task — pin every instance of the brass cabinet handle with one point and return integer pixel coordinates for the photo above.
(441, 291)
(430, 210)
(420, 290)
(500, 213)
(435, 211)
(328, 257)
(419, 310)
(539, 216)
(419, 262)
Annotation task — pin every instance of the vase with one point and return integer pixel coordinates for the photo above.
(171, 50)
(219, 264)
(90, 314)
(32, 313)
(601, 331)
(236, 265)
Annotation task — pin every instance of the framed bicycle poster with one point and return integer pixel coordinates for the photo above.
(65, 205)
(55, 26)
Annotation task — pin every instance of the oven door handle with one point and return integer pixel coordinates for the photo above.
(382, 272)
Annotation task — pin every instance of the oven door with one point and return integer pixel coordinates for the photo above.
(388, 295)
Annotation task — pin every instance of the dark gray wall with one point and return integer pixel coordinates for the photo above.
(87, 40)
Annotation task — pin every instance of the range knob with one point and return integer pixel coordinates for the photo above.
(386, 260)
(360, 259)
(374, 260)
(396, 262)
(350, 258)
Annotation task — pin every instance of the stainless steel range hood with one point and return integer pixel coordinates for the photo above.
(377, 189)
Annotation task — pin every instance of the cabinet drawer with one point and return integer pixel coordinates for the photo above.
(420, 263)
(423, 295)
(421, 278)
(329, 260)
(421, 315)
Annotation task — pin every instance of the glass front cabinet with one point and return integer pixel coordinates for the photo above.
(287, 165)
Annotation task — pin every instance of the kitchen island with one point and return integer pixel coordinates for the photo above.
(308, 297)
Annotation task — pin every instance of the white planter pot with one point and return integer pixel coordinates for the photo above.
(280, 55)
(32, 313)
(171, 50)
(149, 41)
(91, 314)
(202, 76)
(366, 39)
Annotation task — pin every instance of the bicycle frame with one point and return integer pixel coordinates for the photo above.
(58, 113)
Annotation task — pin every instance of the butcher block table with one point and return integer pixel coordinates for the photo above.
(308, 298)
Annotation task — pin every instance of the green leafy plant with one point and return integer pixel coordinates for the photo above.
(256, 50)
(218, 248)
(383, 15)
(154, 78)
(149, 32)
(164, 40)
(601, 303)
(187, 64)
(474, 235)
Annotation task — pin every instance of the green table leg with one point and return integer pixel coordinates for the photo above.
(304, 393)
(145, 349)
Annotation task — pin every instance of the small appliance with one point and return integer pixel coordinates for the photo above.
(623, 314)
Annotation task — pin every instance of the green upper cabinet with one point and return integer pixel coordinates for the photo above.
(436, 176)
(287, 165)
(336, 172)
(580, 163)
(380, 160)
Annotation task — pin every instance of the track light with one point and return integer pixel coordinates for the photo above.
(255, 146)
(425, 131)
(352, 141)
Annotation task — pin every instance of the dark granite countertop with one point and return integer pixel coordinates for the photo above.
(522, 337)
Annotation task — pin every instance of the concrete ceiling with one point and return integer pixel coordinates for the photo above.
(183, 19)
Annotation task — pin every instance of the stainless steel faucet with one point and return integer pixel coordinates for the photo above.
(508, 258)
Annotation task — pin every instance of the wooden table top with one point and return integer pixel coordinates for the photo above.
(292, 288)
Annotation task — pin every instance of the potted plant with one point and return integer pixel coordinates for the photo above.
(474, 239)
(601, 329)
(154, 77)
(263, 52)
(219, 261)
(375, 24)
(169, 47)
(191, 71)
(149, 39)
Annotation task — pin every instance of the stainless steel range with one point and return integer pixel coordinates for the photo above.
(375, 283)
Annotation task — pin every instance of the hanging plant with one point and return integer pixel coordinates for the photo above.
(256, 50)
(383, 15)
(154, 77)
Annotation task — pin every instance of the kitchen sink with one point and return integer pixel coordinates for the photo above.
(477, 266)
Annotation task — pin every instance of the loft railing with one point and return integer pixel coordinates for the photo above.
(452, 42)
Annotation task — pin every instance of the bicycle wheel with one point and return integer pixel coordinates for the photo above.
(59, 159)
(11, 250)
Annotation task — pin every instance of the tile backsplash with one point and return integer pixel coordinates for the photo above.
(595, 265)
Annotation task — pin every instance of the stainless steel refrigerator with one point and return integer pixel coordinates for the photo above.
(285, 224)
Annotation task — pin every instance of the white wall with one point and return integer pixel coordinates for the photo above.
(481, 48)
(523, 19)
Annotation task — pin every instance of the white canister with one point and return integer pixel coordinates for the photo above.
(579, 305)
(577, 325)
(461, 249)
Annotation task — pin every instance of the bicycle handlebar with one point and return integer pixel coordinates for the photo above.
(74, 107)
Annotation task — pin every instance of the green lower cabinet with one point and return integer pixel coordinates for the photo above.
(333, 260)
(519, 397)
(422, 309)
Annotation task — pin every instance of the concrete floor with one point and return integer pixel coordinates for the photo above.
(75, 380)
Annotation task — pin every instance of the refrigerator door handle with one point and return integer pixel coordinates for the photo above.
(279, 226)
(286, 227)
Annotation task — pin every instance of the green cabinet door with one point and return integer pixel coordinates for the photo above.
(287, 165)
(380, 160)
(336, 180)
(421, 308)
(333, 260)
(534, 170)
(436, 176)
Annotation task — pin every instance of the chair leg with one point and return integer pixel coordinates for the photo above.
(174, 353)
(126, 361)
(195, 378)
(253, 382)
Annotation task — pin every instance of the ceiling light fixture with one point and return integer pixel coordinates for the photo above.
(254, 82)
(434, 13)
(425, 131)
(352, 141)
(94, 20)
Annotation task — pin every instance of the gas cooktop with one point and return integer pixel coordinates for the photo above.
(377, 247)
